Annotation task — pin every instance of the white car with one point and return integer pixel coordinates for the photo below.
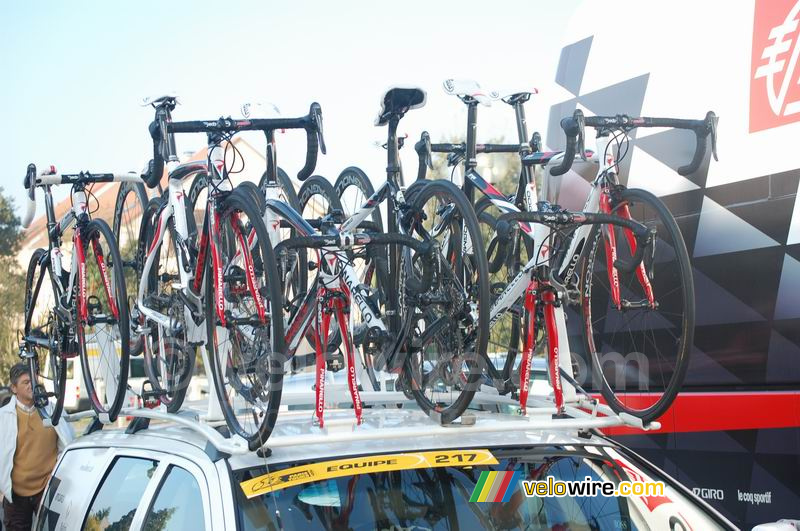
(398, 470)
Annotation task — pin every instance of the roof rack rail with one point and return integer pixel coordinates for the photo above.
(582, 415)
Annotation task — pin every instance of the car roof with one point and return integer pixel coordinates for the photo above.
(384, 430)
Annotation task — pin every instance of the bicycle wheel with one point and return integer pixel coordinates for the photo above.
(353, 188)
(103, 329)
(246, 352)
(169, 357)
(42, 329)
(317, 198)
(451, 319)
(128, 211)
(656, 340)
(507, 252)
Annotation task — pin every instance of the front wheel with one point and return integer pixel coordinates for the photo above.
(103, 331)
(244, 320)
(450, 320)
(639, 349)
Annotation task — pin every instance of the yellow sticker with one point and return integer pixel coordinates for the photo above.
(364, 465)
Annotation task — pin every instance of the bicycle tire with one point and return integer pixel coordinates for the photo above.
(467, 266)
(169, 359)
(353, 188)
(317, 198)
(128, 211)
(117, 367)
(39, 262)
(673, 286)
(262, 393)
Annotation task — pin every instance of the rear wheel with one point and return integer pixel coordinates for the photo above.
(128, 214)
(655, 339)
(169, 358)
(41, 333)
(103, 331)
(246, 353)
(450, 320)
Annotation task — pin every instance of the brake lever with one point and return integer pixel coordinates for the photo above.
(426, 138)
(316, 116)
(580, 147)
(711, 121)
(536, 142)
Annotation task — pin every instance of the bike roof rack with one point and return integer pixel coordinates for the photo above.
(580, 416)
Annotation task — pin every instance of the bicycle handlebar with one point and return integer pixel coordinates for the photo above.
(643, 235)
(312, 123)
(574, 130)
(424, 148)
(50, 176)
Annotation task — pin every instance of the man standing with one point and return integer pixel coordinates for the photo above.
(28, 451)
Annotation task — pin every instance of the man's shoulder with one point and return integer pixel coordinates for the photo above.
(10, 408)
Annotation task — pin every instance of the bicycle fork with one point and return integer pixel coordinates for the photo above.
(541, 291)
(610, 242)
(334, 301)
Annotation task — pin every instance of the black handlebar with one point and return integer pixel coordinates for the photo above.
(574, 130)
(424, 148)
(312, 123)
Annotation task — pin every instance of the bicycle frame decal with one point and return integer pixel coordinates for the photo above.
(549, 301)
(252, 285)
(219, 295)
(98, 252)
(610, 242)
(83, 311)
(498, 199)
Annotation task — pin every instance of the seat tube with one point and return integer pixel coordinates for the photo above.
(471, 160)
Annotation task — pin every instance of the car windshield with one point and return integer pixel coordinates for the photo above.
(445, 497)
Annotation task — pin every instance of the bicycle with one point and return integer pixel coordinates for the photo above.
(508, 244)
(79, 312)
(224, 292)
(433, 300)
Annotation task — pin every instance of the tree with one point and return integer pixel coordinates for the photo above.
(12, 286)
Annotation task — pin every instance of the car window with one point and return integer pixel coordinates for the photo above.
(114, 505)
(67, 497)
(442, 498)
(178, 503)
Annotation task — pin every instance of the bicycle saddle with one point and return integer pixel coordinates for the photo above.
(467, 89)
(255, 109)
(513, 96)
(159, 99)
(399, 100)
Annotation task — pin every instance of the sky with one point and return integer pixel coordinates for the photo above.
(74, 74)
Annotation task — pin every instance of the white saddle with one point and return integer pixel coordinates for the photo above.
(160, 98)
(257, 109)
(471, 89)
